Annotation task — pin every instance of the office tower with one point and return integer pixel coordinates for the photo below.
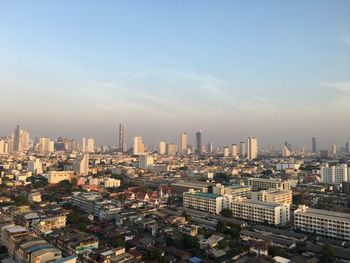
(146, 162)
(347, 147)
(234, 151)
(314, 148)
(171, 149)
(162, 147)
(90, 147)
(199, 142)
(334, 149)
(24, 140)
(81, 165)
(121, 137)
(252, 148)
(285, 151)
(16, 137)
(46, 145)
(210, 147)
(83, 145)
(183, 143)
(242, 149)
(138, 146)
(226, 151)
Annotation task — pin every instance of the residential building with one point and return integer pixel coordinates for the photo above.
(334, 174)
(252, 148)
(183, 143)
(54, 177)
(85, 201)
(139, 148)
(208, 202)
(258, 184)
(273, 196)
(322, 222)
(146, 162)
(260, 212)
(81, 165)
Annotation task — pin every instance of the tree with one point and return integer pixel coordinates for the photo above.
(226, 212)
(221, 226)
(328, 254)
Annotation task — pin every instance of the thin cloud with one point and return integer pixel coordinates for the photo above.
(341, 86)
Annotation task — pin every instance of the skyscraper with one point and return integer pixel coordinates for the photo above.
(334, 149)
(162, 147)
(138, 146)
(252, 148)
(16, 138)
(242, 149)
(121, 137)
(83, 145)
(234, 151)
(171, 149)
(285, 151)
(314, 148)
(90, 147)
(199, 142)
(210, 147)
(183, 143)
(347, 147)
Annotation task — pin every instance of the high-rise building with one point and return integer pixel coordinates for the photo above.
(83, 145)
(121, 137)
(252, 148)
(90, 147)
(314, 147)
(347, 147)
(183, 143)
(81, 165)
(146, 162)
(139, 148)
(46, 145)
(234, 151)
(199, 142)
(24, 140)
(171, 149)
(285, 151)
(334, 174)
(2, 146)
(226, 151)
(162, 147)
(16, 139)
(242, 149)
(334, 149)
(210, 147)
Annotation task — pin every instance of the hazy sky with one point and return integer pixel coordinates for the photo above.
(276, 70)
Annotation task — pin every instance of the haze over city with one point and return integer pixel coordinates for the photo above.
(276, 71)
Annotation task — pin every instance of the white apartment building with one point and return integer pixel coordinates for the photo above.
(273, 196)
(85, 201)
(208, 202)
(260, 212)
(334, 174)
(258, 184)
(324, 223)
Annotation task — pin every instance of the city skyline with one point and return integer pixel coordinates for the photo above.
(232, 70)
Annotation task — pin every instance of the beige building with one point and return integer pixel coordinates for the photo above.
(252, 152)
(183, 143)
(51, 223)
(258, 184)
(111, 182)
(81, 165)
(273, 196)
(54, 177)
(321, 222)
(139, 148)
(34, 197)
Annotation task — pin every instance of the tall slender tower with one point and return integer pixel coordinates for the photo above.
(314, 147)
(199, 142)
(183, 143)
(242, 149)
(16, 137)
(252, 148)
(121, 137)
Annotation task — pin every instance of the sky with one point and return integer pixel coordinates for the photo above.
(275, 70)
